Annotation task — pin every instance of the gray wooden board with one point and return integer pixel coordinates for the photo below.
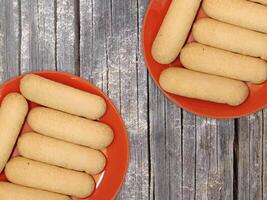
(250, 156)
(38, 41)
(9, 39)
(188, 156)
(214, 159)
(264, 156)
(110, 53)
(67, 36)
(174, 154)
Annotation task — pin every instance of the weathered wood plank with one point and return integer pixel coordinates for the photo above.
(165, 144)
(205, 152)
(37, 35)
(9, 39)
(157, 139)
(250, 135)
(264, 156)
(189, 155)
(173, 151)
(67, 36)
(110, 58)
(141, 137)
(214, 158)
(95, 34)
(225, 158)
(126, 32)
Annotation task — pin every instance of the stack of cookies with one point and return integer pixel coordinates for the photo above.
(230, 49)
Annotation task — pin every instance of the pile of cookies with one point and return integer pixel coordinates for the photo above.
(230, 49)
(62, 153)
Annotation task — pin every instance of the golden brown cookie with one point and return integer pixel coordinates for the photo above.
(202, 86)
(13, 110)
(229, 37)
(238, 12)
(42, 176)
(9, 191)
(62, 97)
(71, 128)
(202, 58)
(174, 30)
(63, 154)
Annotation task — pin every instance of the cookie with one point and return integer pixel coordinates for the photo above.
(202, 86)
(202, 58)
(174, 30)
(63, 154)
(62, 97)
(70, 128)
(29, 173)
(9, 191)
(229, 37)
(13, 110)
(238, 12)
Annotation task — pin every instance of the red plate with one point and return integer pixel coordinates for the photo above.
(111, 179)
(257, 99)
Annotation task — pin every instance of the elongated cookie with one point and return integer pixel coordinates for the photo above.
(42, 176)
(63, 154)
(229, 37)
(174, 30)
(9, 191)
(70, 128)
(62, 97)
(202, 86)
(238, 12)
(202, 58)
(13, 110)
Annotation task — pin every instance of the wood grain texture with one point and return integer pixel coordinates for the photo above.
(94, 34)
(67, 36)
(38, 35)
(9, 39)
(111, 58)
(225, 159)
(214, 159)
(173, 146)
(264, 156)
(250, 136)
(165, 146)
(188, 156)
(174, 154)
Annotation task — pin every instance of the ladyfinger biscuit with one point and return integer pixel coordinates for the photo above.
(42, 176)
(202, 86)
(13, 110)
(174, 30)
(229, 37)
(210, 60)
(264, 2)
(9, 191)
(70, 128)
(238, 12)
(62, 97)
(63, 154)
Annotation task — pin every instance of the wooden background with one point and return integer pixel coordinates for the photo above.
(174, 154)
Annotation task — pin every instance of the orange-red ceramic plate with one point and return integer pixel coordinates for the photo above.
(153, 19)
(110, 180)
